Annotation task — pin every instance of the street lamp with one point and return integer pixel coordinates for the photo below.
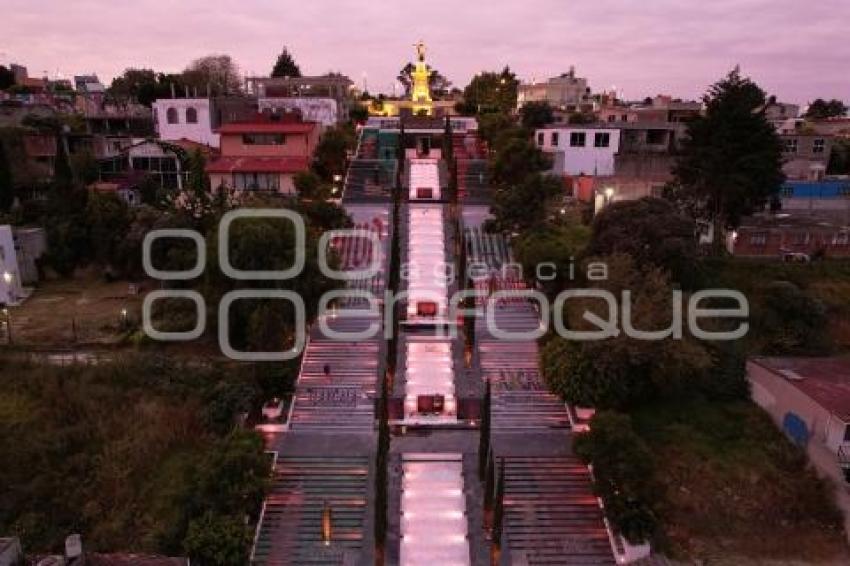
(609, 193)
(7, 317)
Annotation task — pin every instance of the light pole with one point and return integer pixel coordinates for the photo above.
(609, 194)
(8, 319)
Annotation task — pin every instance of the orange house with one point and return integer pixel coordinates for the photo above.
(263, 154)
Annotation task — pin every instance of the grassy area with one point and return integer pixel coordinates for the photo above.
(128, 454)
(731, 485)
(83, 310)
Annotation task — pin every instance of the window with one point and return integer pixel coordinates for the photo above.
(612, 117)
(540, 139)
(624, 118)
(191, 115)
(790, 145)
(263, 139)
(787, 192)
(819, 145)
(256, 181)
(758, 238)
(847, 433)
(171, 116)
(602, 139)
(840, 239)
(801, 238)
(554, 139)
(656, 137)
(577, 139)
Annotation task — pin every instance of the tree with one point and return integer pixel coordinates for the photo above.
(331, 155)
(484, 432)
(520, 207)
(285, 66)
(731, 162)
(214, 540)
(7, 186)
(310, 186)
(515, 160)
(821, 109)
(791, 321)
(491, 92)
(558, 244)
(438, 83)
(650, 230)
(108, 221)
(218, 72)
(623, 470)
(536, 114)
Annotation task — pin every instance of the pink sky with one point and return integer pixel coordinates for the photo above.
(796, 50)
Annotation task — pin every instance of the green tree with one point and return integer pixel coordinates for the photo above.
(484, 432)
(311, 187)
(791, 322)
(521, 207)
(285, 66)
(560, 244)
(214, 540)
(536, 114)
(731, 162)
(821, 109)
(108, 220)
(623, 470)
(217, 72)
(331, 155)
(517, 159)
(491, 92)
(650, 230)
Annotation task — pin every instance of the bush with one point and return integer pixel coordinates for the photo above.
(791, 321)
(623, 471)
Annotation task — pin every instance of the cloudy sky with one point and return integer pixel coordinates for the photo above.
(796, 50)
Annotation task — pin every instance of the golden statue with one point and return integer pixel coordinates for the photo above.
(420, 49)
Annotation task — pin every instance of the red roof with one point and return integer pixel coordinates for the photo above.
(258, 165)
(825, 380)
(270, 127)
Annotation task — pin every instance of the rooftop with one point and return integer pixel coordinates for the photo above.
(825, 380)
(258, 165)
(263, 124)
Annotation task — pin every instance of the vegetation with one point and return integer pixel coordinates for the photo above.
(624, 474)
(285, 66)
(821, 109)
(535, 115)
(491, 92)
(731, 161)
(140, 454)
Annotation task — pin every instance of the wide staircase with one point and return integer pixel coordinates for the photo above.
(551, 516)
(520, 399)
(471, 156)
(303, 489)
(369, 180)
(336, 387)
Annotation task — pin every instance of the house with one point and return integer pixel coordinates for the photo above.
(10, 551)
(566, 92)
(580, 150)
(814, 196)
(332, 86)
(806, 154)
(185, 118)
(789, 235)
(160, 161)
(809, 399)
(264, 154)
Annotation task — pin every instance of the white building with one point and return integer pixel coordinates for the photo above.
(324, 111)
(11, 287)
(580, 150)
(185, 118)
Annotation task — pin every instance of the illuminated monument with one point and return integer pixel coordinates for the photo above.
(421, 91)
(420, 102)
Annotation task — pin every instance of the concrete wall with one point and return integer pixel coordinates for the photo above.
(200, 132)
(287, 182)
(577, 160)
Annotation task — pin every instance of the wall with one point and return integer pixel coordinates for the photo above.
(588, 160)
(324, 111)
(12, 292)
(287, 182)
(777, 396)
(200, 132)
(296, 145)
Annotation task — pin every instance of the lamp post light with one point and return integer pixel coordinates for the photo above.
(7, 318)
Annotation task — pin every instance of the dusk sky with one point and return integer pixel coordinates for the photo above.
(796, 50)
